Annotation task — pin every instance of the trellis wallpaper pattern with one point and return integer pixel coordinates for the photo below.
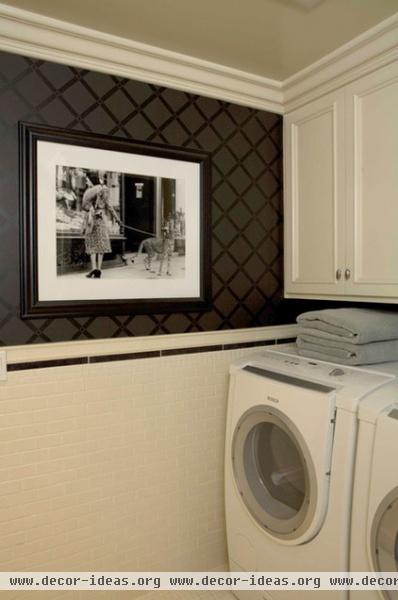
(246, 149)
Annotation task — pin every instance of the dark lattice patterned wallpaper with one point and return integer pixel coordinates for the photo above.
(246, 149)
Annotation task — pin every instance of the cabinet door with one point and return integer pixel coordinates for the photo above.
(372, 184)
(314, 198)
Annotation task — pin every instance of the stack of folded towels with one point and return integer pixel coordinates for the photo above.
(352, 336)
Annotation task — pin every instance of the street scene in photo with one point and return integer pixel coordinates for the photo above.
(118, 225)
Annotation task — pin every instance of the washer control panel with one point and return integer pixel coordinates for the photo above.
(351, 384)
(339, 377)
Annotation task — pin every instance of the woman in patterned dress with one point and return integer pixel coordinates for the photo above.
(97, 242)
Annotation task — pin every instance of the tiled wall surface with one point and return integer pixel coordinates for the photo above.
(246, 156)
(114, 466)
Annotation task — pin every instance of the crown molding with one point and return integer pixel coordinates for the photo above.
(369, 51)
(30, 34)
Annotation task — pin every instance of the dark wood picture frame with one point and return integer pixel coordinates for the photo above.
(31, 306)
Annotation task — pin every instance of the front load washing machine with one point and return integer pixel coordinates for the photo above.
(290, 448)
(374, 523)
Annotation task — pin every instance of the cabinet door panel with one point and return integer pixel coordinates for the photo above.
(372, 184)
(314, 198)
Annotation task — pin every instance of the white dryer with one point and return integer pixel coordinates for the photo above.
(290, 449)
(374, 524)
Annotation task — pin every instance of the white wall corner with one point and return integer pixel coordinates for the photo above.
(30, 34)
(369, 51)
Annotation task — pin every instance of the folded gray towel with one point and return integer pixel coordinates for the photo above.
(348, 354)
(356, 325)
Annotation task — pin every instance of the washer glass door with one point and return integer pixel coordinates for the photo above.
(274, 472)
(385, 538)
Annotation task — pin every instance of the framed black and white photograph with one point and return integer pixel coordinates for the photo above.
(111, 226)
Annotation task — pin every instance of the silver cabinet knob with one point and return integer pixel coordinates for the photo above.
(347, 273)
(338, 274)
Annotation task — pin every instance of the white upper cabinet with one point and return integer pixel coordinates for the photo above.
(314, 187)
(341, 192)
(372, 184)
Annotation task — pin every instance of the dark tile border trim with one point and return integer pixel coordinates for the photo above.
(85, 360)
(249, 345)
(127, 356)
(193, 350)
(44, 364)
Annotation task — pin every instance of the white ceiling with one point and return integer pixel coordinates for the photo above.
(272, 38)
